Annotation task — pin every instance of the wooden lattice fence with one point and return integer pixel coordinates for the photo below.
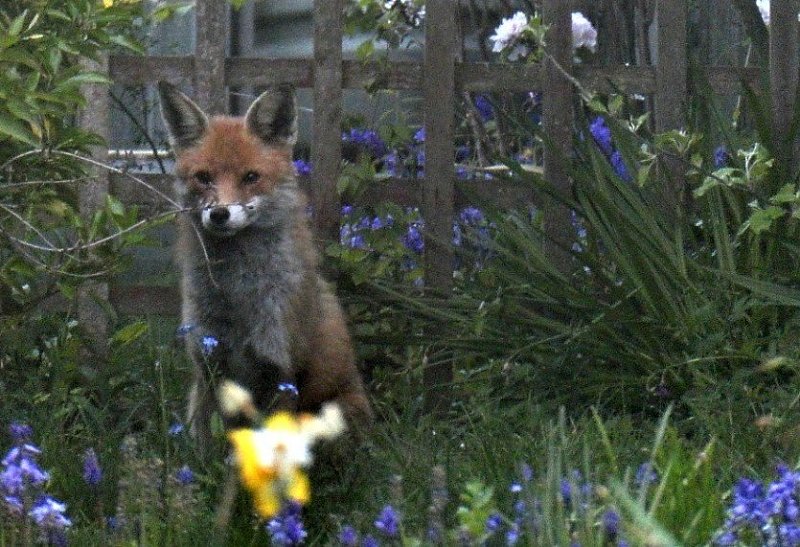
(441, 78)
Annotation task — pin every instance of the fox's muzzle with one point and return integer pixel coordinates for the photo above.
(227, 219)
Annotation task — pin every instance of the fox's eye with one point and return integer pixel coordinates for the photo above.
(204, 178)
(250, 177)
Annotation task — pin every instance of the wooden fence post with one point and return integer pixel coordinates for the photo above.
(783, 68)
(437, 194)
(671, 93)
(92, 296)
(212, 24)
(326, 149)
(557, 120)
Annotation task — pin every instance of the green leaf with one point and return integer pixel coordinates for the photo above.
(130, 333)
(81, 79)
(762, 219)
(15, 129)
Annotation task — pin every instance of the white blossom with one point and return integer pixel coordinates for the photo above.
(763, 8)
(509, 31)
(583, 33)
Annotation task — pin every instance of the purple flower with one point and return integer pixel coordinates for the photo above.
(302, 167)
(601, 135)
(348, 536)
(512, 535)
(370, 541)
(289, 388)
(611, 524)
(377, 224)
(392, 163)
(287, 527)
(347, 210)
(357, 242)
(49, 514)
(413, 239)
(471, 216)
(208, 343)
(494, 522)
(527, 472)
(619, 166)
(366, 139)
(388, 522)
(20, 471)
(185, 475)
(515, 488)
(646, 475)
(175, 429)
(721, 157)
(484, 107)
(92, 472)
(20, 432)
(419, 136)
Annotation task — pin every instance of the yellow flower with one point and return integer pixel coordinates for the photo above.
(271, 459)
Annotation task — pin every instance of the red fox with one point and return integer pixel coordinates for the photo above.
(249, 266)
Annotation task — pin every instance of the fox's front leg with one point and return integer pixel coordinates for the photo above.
(267, 366)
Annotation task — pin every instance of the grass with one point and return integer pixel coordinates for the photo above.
(479, 448)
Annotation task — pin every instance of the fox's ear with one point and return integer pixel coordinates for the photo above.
(273, 116)
(186, 124)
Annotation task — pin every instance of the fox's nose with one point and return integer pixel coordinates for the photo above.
(219, 215)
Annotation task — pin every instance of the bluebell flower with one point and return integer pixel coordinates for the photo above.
(363, 223)
(646, 475)
(721, 157)
(370, 541)
(175, 429)
(208, 343)
(184, 475)
(418, 282)
(413, 239)
(20, 432)
(377, 224)
(49, 514)
(618, 163)
(462, 173)
(601, 135)
(527, 472)
(515, 488)
(347, 210)
(287, 527)
(357, 242)
(419, 136)
(472, 216)
(484, 107)
(366, 139)
(20, 471)
(391, 162)
(611, 524)
(92, 472)
(513, 534)
(388, 522)
(565, 488)
(288, 387)
(494, 522)
(302, 167)
(348, 536)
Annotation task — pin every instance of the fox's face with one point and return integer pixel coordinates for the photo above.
(231, 168)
